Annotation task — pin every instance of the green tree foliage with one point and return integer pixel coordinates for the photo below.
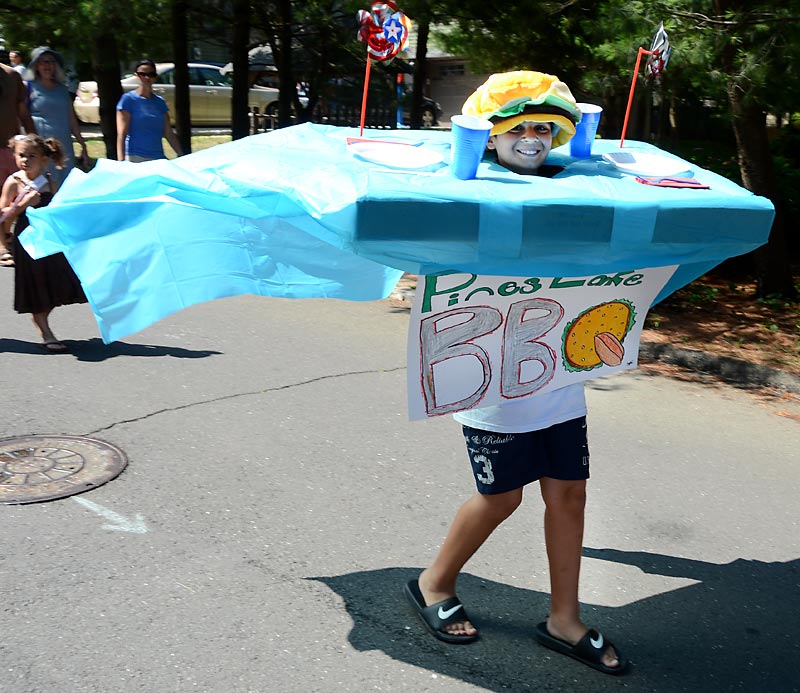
(70, 26)
(95, 37)
(537, 34)
(313, 42)
(325, 54)
(424, 14)
(753, 48)
(733, 62)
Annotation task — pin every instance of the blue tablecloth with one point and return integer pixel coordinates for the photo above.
(293, 213)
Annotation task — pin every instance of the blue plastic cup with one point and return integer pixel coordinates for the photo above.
(470, 135)
(580, 146)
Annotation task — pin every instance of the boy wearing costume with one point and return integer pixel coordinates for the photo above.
(542, 438)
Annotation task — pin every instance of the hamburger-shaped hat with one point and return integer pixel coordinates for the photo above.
(510, 98)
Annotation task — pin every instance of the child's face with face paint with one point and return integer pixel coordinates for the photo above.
(523, 148)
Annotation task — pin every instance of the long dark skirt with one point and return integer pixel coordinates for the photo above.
(41, 285)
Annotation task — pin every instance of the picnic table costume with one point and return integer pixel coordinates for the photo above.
(294, 213)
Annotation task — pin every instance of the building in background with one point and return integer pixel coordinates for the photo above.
(450, 79)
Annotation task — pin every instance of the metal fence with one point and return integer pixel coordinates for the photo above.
(343, 116)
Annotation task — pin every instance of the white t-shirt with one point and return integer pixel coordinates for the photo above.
(530, 414)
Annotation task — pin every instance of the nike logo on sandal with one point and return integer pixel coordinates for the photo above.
(447, 614)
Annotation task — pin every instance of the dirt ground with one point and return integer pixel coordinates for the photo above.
(724, 318)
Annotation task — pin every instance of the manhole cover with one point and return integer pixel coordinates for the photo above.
(40, 468)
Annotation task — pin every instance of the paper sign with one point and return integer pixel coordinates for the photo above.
(479, 340)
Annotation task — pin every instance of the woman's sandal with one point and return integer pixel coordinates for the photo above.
(6, 259)
(53, 346)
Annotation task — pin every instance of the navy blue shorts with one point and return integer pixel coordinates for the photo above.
(505, 461)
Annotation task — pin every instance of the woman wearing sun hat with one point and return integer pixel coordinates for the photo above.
(50, 105)
(522, 441)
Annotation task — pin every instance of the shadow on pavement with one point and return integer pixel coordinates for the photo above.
(735, 629)
(93, 350)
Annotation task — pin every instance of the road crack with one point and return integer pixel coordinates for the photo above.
(236, 395)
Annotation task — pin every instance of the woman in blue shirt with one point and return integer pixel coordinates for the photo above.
(142, 120)
(50, 106)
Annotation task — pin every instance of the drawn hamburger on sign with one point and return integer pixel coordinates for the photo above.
(595, 337)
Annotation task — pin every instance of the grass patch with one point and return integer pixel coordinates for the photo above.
(97, 148)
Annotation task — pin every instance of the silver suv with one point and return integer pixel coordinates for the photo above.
(210, 94)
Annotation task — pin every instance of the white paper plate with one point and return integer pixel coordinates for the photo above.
(395, 154)
(643, 164)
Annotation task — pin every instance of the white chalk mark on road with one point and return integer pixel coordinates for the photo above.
(119, 523)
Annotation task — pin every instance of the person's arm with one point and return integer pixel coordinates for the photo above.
(11, 189)
(75, 128)
(52, 183)
(123, 125)
(9, 192)
(30, 199)
(171, 137)
(23, 112)
(6, 197)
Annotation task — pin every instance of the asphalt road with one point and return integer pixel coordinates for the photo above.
(276, 499)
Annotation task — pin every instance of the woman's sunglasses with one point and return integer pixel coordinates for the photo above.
(151, 75)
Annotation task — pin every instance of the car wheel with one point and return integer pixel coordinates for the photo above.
(272, 110)
(428, 118)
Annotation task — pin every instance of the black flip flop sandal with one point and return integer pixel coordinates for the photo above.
(438, 615)
(54, 347)
(589, 649)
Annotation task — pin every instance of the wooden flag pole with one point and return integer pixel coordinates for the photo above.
(642, 52)
(364, 96)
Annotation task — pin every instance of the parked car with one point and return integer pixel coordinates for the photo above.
(210, 93)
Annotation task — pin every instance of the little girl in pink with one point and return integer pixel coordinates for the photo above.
(39, 285)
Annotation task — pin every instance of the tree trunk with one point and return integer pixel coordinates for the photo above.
(420, 74)
(180, 54)
(283, 61)
(105, 61)
(240, 103)
(773, 269)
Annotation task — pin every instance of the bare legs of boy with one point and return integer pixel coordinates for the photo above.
(472, 525)
(565, 502)
(563, 523)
